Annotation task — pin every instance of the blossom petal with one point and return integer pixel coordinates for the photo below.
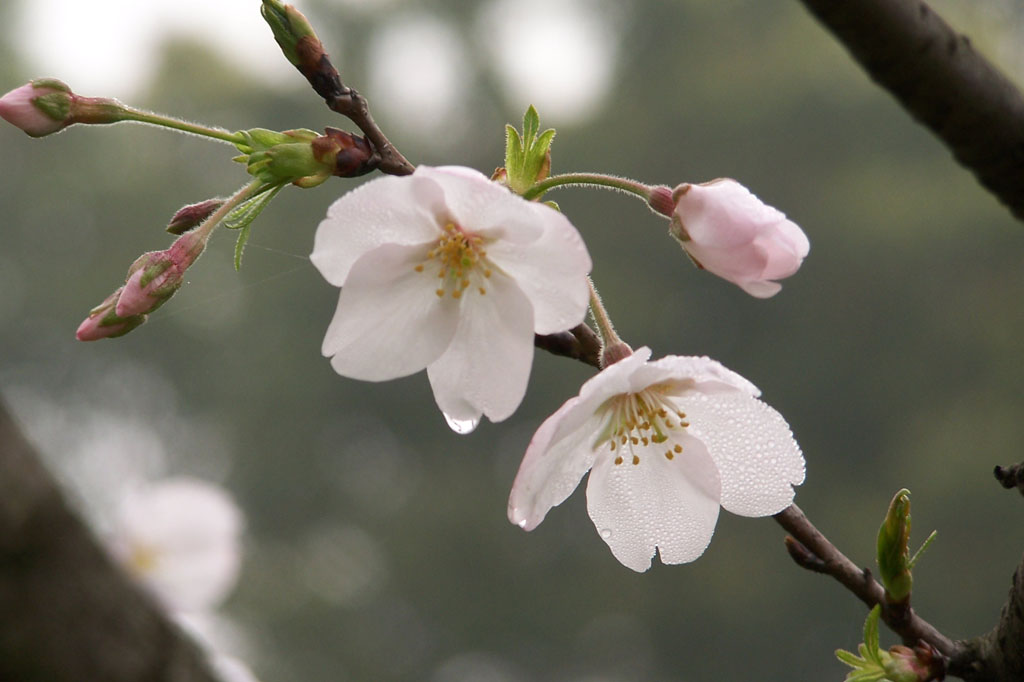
(388, 210)
(757, 457)
(692, 371)
(389, 321)
(551, 271)
(671, 505)
(487, 366)
(611, 381)
(551, 471)
(484, 207)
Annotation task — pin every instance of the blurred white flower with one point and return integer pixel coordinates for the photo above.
(446, 270)
(666, 443)
(181, 538)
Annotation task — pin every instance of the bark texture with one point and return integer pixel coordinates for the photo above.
(943, 82)
(67, 613)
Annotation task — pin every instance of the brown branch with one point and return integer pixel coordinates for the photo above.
(1011, 477)
(938, 77)
(997, 656)
(67, 614)
(326, 81)
(816, 553)
(579, 343)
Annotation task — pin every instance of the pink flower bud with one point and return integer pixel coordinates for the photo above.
(19, 107)
(731, 233)
(103, 322)
(156, 275)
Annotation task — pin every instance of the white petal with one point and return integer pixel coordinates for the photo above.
(690, 370)
(551, 470)
(483, 207)
(551, 270)
(389, 321)
(388, 210)
(671, 505)
(487, 365)
(611, 381)
(758, 460)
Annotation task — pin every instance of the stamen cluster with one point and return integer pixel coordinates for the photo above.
(641, 420)
(460, 255)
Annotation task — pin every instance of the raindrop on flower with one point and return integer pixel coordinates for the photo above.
(462, 426)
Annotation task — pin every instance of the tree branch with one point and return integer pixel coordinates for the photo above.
(938, 77)
(1011, 477)
(579, 343)
(814, 552)
(67, 613)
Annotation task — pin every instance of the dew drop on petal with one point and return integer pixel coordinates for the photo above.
(462, 426)
(606, 533)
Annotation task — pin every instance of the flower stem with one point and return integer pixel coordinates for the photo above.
(131, 114)
(249, 191)
(590, 180)
(613, 348)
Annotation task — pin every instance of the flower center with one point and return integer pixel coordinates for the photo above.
(462, 259)
(638, 421)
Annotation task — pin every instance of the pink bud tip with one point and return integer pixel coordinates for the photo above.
(730, 232)
(18, 108)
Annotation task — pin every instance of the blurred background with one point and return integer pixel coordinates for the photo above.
(377, 546)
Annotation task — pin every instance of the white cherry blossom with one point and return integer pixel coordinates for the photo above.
(445, 270)
(666, 443)
(180, 538)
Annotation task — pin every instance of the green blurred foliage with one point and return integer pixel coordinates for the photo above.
(894, 354)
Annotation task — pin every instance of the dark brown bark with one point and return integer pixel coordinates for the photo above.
(939, 78)
(67, 614)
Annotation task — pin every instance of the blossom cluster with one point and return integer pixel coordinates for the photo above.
(450, 271)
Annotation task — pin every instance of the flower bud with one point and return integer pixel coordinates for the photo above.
(920, 664)
(349, 155)
(46, 106)
(193, 215)
(104, 322)
(155, 276)
(893, 552)
(728, 231)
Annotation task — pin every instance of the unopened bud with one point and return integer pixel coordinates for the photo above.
(348, 155)
(104, 322)
(893, 552)
(46, 106)
(155, 276)
(920, 664)
(193, 215)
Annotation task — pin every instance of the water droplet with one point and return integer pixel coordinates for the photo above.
(606, 533)
(462, 426)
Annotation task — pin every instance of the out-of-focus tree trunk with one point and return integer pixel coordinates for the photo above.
(67, 613)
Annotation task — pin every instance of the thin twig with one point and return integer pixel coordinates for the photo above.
(326, 81)
(900, 618)
(579, 343)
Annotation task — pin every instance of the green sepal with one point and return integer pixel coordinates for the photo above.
(243, 237)
(527, 156)
(531, 124)
(870, 665)
(243, 215)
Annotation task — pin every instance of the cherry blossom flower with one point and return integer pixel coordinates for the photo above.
(666, 443)
(180, 538)
(445, 270)
(730, 232)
